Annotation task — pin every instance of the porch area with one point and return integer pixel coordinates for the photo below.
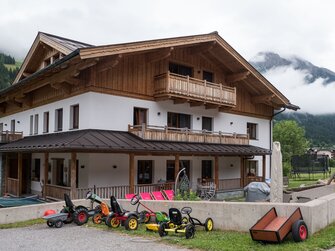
(119, 163)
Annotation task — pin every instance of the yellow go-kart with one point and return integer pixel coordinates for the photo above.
(176, 225)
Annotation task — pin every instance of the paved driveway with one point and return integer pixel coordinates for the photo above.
(71, 237)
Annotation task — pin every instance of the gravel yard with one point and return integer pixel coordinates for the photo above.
(72, 237)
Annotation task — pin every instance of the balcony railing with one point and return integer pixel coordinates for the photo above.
(164, 133)
(178, 86)
(8, 136)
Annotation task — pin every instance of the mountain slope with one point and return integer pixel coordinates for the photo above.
(265, 61)
(8, 70)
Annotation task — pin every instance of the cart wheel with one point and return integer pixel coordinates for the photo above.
(189, 231)
(209, 224)
(299, 231)
(112, 221)
(131, 223)
(59, 223)
(161, 229)
(80, 216)
(69, 217)
(97, 218)
(50, 223)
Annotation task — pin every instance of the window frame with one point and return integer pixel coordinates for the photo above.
(59, 120)
(177, 117)
(74, 117)
(137, 114)
(36, 119)
(142, 165)
(204, 165)
(211, 121)
(46, 122)
(252, 131)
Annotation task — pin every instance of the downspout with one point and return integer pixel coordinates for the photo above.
(271, 120)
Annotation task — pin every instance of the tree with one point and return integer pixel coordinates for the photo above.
(291, 137)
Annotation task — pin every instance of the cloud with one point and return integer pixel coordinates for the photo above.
(315, 98)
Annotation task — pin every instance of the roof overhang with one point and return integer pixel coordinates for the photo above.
(105, 141)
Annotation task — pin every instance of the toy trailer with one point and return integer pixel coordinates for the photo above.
(272, 228)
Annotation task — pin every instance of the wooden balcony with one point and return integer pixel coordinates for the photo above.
(164, 133)
(7, 136)
(195, 91)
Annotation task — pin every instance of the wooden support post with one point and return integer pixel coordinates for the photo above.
(19, 173)
(242, 182)
(73, 175)
(6, 172)
(131, 173)
(216, 172)
(176, 166)
(264, 168)
(46, 171)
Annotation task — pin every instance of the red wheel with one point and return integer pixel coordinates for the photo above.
(80, 216)
(299, 231)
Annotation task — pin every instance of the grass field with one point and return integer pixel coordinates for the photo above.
(13, 66)
(308, 179)
(215, 240)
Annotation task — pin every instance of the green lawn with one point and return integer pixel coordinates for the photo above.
(216, 240)
(13, 66)
(307, 179)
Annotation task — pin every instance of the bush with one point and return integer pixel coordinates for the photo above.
(189, 195)
(286, 169)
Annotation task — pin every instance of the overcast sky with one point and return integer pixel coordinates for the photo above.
(300, 27)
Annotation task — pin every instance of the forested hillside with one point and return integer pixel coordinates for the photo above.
(320, 129)
(8, 70)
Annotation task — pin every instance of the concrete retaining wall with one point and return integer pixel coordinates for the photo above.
(238, 216)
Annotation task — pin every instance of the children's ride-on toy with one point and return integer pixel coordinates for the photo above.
(272, 228)
(78, 214)
(146, 215)
(101, 211)
(56, 220)
(119, 216)
(176, 225)
(208, 225)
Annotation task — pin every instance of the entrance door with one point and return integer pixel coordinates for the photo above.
(26, 174)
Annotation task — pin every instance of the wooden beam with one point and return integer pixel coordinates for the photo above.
(177, 101)
(176, 165)
(46, 172)
(216, 172)
(131, 173)
(242, 175)
(211, 106)
(264, 168)
(263, 98)
(6, 171)
(109, 63)
(19, 173)
(195, 103)
(203, 48)
(73, 175)
(235, 77)
(63, 86)
(160, 55)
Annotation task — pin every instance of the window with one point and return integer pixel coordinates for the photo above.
(31, 129)
(59, 120)
(206, 169)
(1, 127)
(144, 172)
(170, 169)
(208, 76)
(181, 69)
(140, 116)
(252, 130)
(46, 122)
(36, 124)
(179, 120)
(12, 125)
(252, 168)
(74, 113)
(207, 124)
(58, 172)
(35, 176)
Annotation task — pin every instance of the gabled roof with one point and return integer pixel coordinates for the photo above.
(122, 142)
(44, 43)
(223, 55)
